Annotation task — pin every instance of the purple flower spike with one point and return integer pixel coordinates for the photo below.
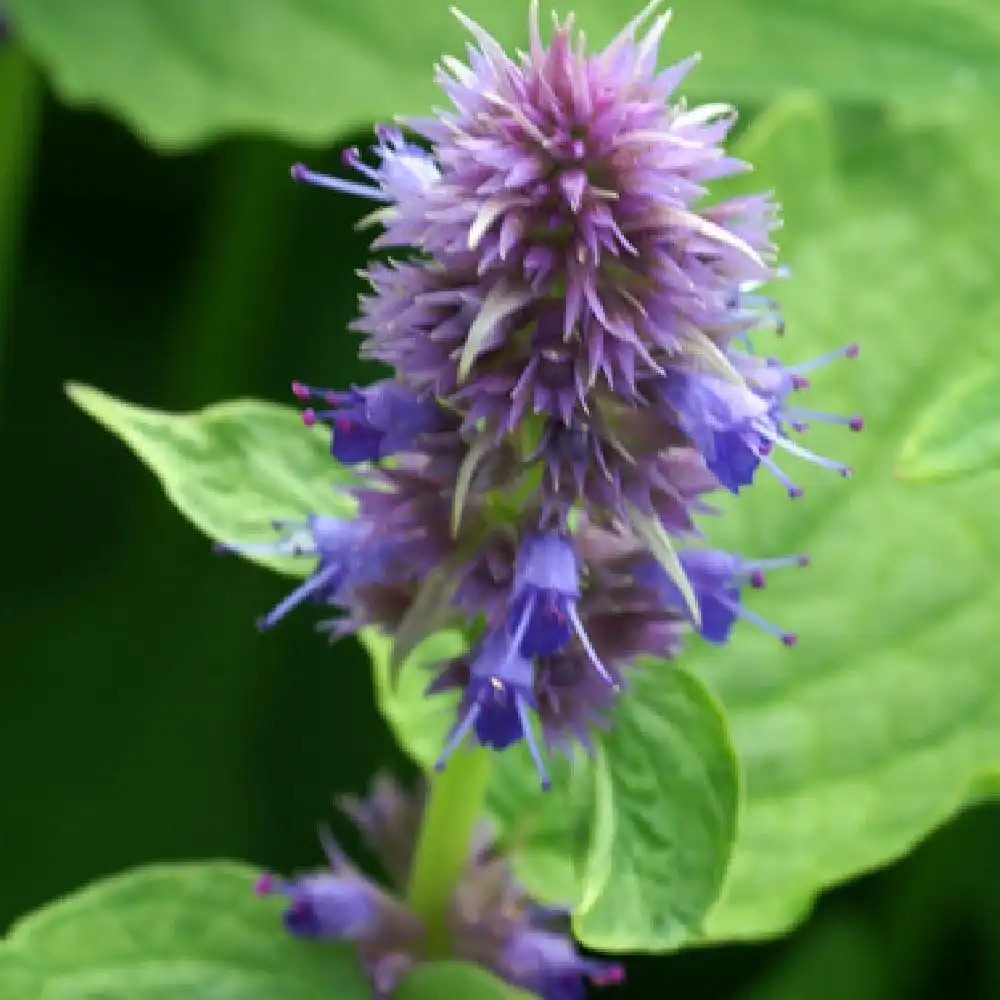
(498, 698)
(717, 578)
(547, 964)
(334, 542)
(372, 423)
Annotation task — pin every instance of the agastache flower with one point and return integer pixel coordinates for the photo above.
(499, 695)
(333, 542)
(372, 423)
(570, 319)
(717, 579)
(492, 922)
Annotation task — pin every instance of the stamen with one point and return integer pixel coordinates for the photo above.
(850, 351)
(745, 614)
(855, 423)
(810, 456)
(322, 579)
(793, 491)
(461, 731)
(529, 738)
(302, 174)
(519, 632)
(581, 634)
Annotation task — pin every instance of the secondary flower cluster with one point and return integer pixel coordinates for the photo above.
(568, 320)
(491, 921)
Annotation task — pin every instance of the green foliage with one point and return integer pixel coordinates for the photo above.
(184, 72)
(456, 980)
(163, 932)
(886, 717)
(958, 433)
(664, 822)
(231, 468)
(19, 978)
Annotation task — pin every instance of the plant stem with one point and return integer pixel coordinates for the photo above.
(20, 102)
(454, 807)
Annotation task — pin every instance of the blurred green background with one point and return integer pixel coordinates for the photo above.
(141, 715)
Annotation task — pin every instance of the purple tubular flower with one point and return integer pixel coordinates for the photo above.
(332, 541)
(547, 964)
(332, 907)
(543, 612)
(372, 423)
(499, 696)
(717, 578)
(737, 427)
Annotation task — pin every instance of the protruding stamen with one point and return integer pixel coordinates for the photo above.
(797, 413)
(745, 614)
(849, 351)
(461, 731)
(315, 583)
(595, 660)
(529, 738)
(769, 463)
(754, 571)
(302, 174)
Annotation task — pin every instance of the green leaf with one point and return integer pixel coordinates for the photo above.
(958, 433)
(885, 719)
(231, 468)
(166, 931)
(19, 978)
(667, 791)
(456, 980)
(420, 723)
(184, 72)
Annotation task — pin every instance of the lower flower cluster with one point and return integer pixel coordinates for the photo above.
(491, 921)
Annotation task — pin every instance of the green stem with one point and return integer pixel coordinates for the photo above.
(20, 103)
(454, 807)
